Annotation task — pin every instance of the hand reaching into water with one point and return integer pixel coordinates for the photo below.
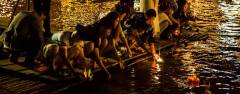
(158, 58)
(121, 64)
(109, 76)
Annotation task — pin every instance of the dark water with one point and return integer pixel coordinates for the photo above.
(215, 62)
(7, 9)
(64, 14)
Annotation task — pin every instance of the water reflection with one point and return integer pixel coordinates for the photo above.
(215, 60)
(132, 82)
(7, 9)
(65, 14)
(230, 28)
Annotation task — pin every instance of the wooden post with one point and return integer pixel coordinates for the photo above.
(45, 6)
(28, 4)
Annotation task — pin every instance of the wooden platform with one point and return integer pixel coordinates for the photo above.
(5, 64)
(37, 82)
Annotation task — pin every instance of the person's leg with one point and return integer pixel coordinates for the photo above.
(163, 26)
(13, 57)
(76, 52)
(63, 51)
(50, 52)
(31, 54)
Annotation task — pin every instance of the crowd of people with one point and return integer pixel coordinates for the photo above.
(87, 45)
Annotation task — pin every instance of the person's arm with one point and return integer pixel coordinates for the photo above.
(100, 62)
(172, 18)
(153, 50)
(64, 54)
(117, 32)
(123, 38)
(151, 43)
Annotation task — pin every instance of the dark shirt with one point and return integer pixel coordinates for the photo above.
(24, 31)
(138, 22)
(92, 34)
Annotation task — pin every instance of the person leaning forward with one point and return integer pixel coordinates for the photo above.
(25, 34)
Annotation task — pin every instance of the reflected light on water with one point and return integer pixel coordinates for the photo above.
(132, 81)
(231, 26)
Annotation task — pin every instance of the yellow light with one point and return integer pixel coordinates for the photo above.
(158, 58)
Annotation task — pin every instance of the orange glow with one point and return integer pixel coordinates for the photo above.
(193, 80)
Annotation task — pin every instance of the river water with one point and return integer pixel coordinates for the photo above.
(215, 61)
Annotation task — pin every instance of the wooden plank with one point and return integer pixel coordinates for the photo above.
(49, 77)
(5, 62)
(14, 67)
(137, 58)
(29, 72)
(165, 44)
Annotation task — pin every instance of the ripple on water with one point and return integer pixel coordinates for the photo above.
(219, 54)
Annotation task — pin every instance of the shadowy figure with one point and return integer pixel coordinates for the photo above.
(25, 34)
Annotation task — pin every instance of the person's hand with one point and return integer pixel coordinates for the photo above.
(177, 32)
(109, 76)
(121, 64)
(158, 58)
(130, 53)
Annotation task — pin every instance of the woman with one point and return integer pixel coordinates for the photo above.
(117, 37)
(94, 33)
(166, 19)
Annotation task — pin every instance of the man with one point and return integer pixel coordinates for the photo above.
(142, 30)
(25, 34)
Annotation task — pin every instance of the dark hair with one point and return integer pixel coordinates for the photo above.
(80, 28)
(163, 5)
(39, 7)
(112, 15)
(122, 9)
(151, 13)
(108, 20)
